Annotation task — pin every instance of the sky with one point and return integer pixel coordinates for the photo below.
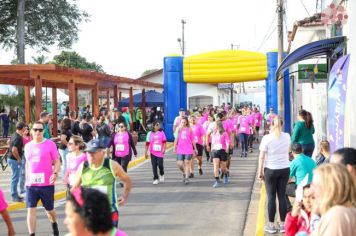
(129, 37)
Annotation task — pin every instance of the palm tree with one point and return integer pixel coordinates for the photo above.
(40, 59)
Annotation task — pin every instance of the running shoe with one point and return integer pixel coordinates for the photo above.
(245, 154)
(251, 151)
(121, 184)
(201, 171)
(156, 181)
(161, 178)
(270, 229)
(221, 175)
(226, 179)
(282, 228)
(17, 199)
(186, 181)
(191, 175)
(242, 154)
(216, 184)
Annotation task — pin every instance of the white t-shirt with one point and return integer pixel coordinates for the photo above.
(277, 151)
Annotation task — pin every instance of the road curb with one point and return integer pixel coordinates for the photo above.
(62, 194)
(261, 212)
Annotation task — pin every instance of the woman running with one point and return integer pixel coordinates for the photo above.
(199, 134)
(220, 142)
(123, 146)
(74, 158)
(156, 144)
(243, 127)
(207, 141)
(184, 147)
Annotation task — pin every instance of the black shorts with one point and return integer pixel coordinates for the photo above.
(221, 154)
(200, 149)
(43, 193)
(257, 128)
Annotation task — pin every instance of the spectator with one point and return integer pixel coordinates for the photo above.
(103, 130)
(127, 116)
(88, 212)
(86, 128)
(66, 133)
(303, 132)
(16, 161)
(5, 123)
(26, 138)
(274, 170)
(119, 118)
(298, 221)
(299, 168)
(44, 118)
(324, 153)
(335, 200)
(74, 123)
(347, 157)
(5, 215)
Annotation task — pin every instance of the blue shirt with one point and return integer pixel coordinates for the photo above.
(300, 167)
(5, 120)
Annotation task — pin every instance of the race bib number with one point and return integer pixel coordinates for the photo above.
(102, 189)
(120, 147)
(218, 146)
(243, 129)
(184, 135)
(196, 139)
(157, 147)
(36, 158)
(37, 178)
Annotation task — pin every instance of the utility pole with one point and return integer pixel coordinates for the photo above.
(280, 12)
(232, 84)
(183, 42)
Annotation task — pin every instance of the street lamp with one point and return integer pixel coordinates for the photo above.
(181, 40)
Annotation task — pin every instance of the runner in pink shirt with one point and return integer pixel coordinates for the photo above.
(5, 215)
(74, 158)
(258, 122)
(40, 154)
(219, 146)
(184, 147)
(207, 138)
(244, 131)
(200, 118)
(199, 134)
(251, 117)
(156, 145)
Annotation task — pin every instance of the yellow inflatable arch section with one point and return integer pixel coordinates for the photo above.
(226, 66)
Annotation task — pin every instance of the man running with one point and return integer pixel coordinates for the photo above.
(40, 154)
(100, 173)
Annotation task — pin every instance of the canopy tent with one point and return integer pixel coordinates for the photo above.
(153, 99)
(329, 47)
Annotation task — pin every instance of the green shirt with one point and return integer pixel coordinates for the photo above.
(46, 133)
(127, 118)
(101, 178)
(300, 167)
(301, 134)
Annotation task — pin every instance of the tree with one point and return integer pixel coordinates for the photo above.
(45, 23)
(40, 59)
(146, 72)
(73, 59)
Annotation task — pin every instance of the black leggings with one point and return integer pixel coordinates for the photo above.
(157, 162)
(276, 183)
(123, 161)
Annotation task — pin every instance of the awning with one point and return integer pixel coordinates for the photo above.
(314, 49)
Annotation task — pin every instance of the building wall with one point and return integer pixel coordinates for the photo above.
(194, 90)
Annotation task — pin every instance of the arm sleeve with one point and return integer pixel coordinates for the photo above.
(291, 225)
(293, 169)
(295, 135)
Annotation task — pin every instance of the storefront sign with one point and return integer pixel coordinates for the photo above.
(337, 103)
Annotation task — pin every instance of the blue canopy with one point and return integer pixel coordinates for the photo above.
(322, 47)
(153, 99)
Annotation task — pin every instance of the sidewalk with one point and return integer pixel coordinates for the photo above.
(60, 186)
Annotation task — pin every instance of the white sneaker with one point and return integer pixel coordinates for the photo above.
(161, 178)
(156, 181)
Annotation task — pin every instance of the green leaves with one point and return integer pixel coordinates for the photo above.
(73, 59)
(47, 23)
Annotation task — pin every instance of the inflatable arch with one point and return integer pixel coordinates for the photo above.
(226, 66)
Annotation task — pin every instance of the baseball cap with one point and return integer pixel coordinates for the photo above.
(181, 109)
(124, 109)
(94, 145)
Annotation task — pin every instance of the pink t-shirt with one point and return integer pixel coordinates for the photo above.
(121, 144)
(176, 122)
(219, 141)
(201, 120)
(270, 118)
(206, 128)
(26, 140)
(244, 123)
(73, 163)
(39, 158)
(252, 119)
(3, 203)
(199, 133)
(185, 141)
(228, 126)
(258, 119)
(235, 122)
(156, 141)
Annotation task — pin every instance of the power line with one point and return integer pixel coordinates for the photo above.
(267, 38)
(301, 1)
(269, 28)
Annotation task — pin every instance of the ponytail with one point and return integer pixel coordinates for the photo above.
(309, 120)
(277, 126)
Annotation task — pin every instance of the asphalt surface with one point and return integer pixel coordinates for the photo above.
(172, 208)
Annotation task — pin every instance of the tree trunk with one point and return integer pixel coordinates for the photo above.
(20, 31)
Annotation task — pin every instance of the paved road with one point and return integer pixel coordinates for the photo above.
(172, 208)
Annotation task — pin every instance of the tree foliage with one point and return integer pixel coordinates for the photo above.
(41, 59)
(47, 23)
(73, 59)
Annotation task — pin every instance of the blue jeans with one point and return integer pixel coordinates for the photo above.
(63, 153)
(5, 131)
(15, 167)
(243, 139)
(308, 149)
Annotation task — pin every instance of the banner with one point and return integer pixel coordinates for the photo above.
(337, 102)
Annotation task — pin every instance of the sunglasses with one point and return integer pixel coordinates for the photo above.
(121, 126)
(39, 130)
